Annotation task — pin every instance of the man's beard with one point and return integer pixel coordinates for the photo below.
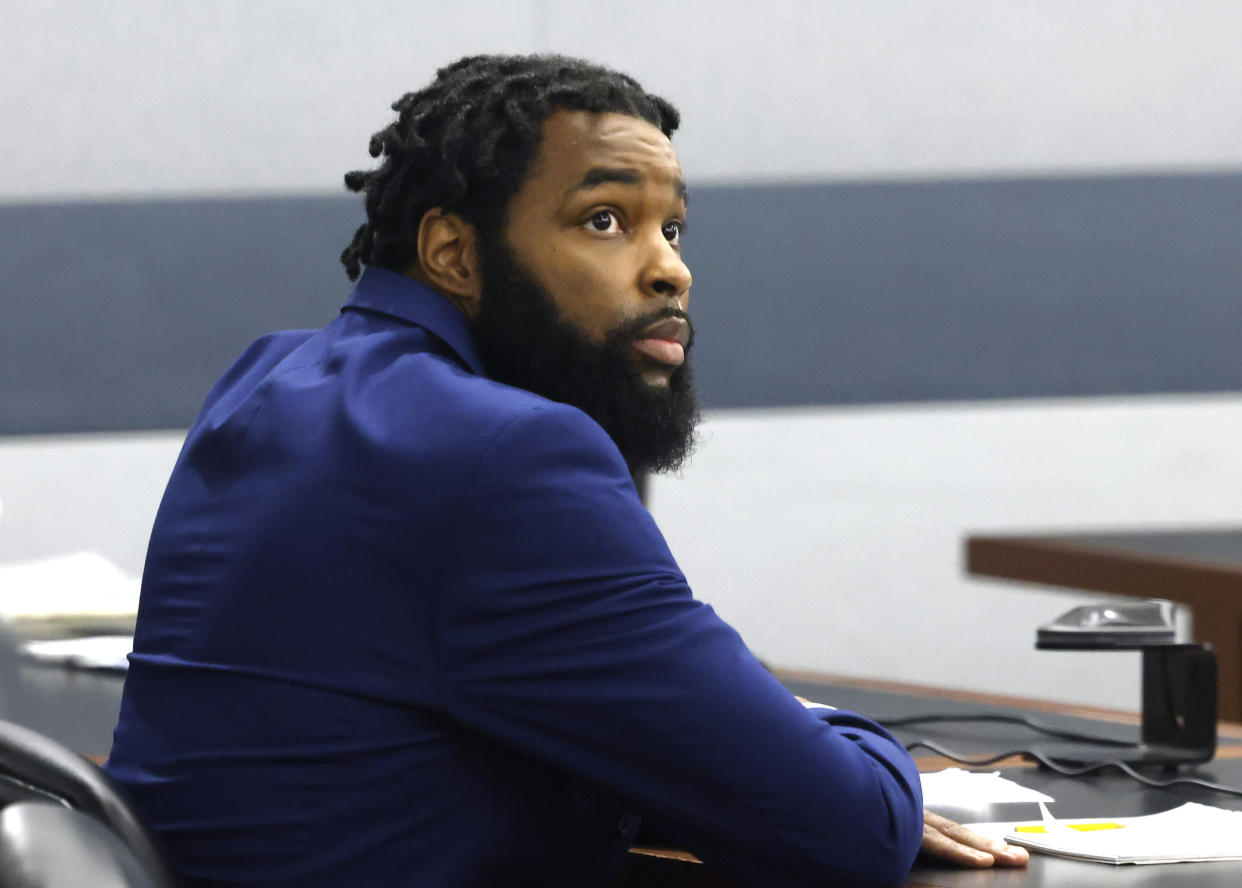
(524, 341)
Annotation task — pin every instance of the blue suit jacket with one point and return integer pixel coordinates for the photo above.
(403, 625)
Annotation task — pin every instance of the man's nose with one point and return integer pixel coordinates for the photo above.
(665, 273)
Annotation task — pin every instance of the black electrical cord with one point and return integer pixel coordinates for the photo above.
(1072, 771)
(1023, 720)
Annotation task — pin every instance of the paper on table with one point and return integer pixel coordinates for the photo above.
(68, 593)
(1189, 833)
(956, 788)
(93, 652)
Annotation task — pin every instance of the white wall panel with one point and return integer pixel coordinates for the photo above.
(830, 537)
(179, 96)
(175, 96)
(802, 89)
(65, 493)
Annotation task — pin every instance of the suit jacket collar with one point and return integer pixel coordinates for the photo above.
(391, 293)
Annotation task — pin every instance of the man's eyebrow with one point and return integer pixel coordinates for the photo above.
(604, 175)
(597, 176)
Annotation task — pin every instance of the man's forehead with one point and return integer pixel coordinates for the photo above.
(575, 142)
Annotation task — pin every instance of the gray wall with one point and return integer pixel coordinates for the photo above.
(805, 294)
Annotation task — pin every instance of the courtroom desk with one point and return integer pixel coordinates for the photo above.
(1198, 568)
(79, 709)
(74, 706)
(883, 701)
(1100, 795)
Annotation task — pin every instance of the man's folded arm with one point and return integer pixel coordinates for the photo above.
(566, 630)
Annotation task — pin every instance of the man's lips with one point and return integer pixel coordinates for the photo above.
(664, 341)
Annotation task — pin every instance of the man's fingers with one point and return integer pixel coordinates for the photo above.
(959, 833)
(949, 841)
(1013, 855)
(939, 847)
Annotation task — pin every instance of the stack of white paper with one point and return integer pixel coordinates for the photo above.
(1189, 833)
(68, 595)
(107, 652)
(957, 788)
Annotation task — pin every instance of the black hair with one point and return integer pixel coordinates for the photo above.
(465, 143)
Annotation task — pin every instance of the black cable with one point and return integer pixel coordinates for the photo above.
(1007, 719)
(1071, 771)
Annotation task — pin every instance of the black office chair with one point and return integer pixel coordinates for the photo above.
(46, 845)
(55, 798)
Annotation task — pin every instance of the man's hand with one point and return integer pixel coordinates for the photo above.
(947, 842)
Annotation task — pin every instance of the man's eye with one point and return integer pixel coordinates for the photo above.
(604, 220)
(673, 231)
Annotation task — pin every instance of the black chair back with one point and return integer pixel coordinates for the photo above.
(46, 845)
(36, 768)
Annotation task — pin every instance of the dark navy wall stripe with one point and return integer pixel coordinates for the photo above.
(119, 316)
(958, 290)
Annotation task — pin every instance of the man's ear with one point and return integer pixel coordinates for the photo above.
(449, 259)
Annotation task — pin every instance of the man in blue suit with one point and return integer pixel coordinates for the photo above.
(404, 619)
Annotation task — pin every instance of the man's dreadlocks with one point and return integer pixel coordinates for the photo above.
(465, 143)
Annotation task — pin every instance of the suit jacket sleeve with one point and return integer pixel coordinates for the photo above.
(566, 630)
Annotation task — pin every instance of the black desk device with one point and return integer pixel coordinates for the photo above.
(1179, 681)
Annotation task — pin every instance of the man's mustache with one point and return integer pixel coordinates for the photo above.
(627, 330)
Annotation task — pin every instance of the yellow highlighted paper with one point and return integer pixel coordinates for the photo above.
(1081, 827)
(1191, 832)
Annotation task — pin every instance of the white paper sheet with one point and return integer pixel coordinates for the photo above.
(1189, 833)
(957, 788)
(78, 588)
(92, 652)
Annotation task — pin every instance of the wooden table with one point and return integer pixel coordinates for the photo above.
(1198, 568)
